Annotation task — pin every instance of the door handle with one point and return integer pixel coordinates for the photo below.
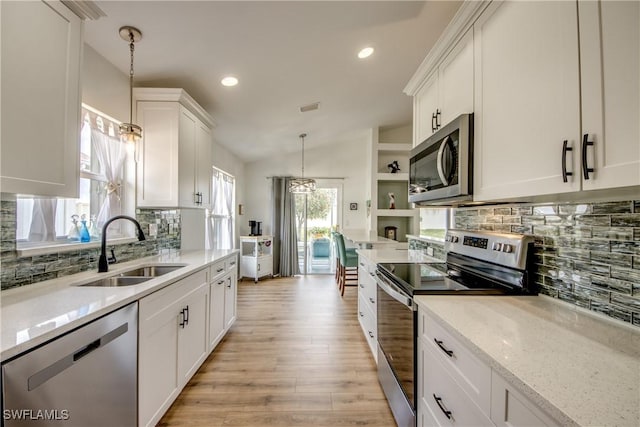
(186, 317)
(182, 321)
(565, 148)
(433, 122)
(438, 114)
(585, 167)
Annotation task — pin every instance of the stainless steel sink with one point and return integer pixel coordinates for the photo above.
(118, 281)
(151, 270)
(135, 276)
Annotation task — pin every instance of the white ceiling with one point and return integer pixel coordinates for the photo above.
(285, 54)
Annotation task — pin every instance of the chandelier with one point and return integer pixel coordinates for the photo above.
(302, 185)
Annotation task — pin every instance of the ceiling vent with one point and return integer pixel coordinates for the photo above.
(309, 107)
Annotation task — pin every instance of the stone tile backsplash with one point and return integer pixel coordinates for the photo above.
(586, 254)
(18, 271)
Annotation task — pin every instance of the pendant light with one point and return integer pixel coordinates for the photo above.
(130, 132)
(302, 185)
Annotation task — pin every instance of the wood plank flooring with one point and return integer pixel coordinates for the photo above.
(295, 357)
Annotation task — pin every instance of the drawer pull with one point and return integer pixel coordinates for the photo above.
(372, 300)
(219, 270)
(371, 334)
(361, 285)
(442, 408)
(362, 264)
(361, 314)
(443, 348)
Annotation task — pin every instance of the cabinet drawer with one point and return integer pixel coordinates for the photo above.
(218, 269)
(472, 375)
(368, 323)
(232, 263)
(441, 396)
(153, 305)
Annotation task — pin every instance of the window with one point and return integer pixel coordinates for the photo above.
(104, 190)
(221, 218)
(434, 222)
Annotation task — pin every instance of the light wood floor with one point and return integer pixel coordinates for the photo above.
(296, 357)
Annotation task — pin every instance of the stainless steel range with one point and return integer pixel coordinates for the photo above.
(479, 263)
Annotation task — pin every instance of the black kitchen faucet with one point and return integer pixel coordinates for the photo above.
(103, 264)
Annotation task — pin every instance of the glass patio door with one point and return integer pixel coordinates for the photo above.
(317, 214)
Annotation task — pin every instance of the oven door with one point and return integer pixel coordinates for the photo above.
(396, 344)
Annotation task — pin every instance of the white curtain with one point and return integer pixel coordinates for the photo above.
(111, 154)
(43, 220)
(220, 224)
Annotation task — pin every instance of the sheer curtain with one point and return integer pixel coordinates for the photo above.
(111, 155)
(43, 220)
(285, 238)
(220, 233)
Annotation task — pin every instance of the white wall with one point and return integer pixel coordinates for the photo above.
(104, 87)
(345, 160)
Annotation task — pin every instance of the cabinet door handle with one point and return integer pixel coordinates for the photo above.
(182, 317)
(441, 406)
(220, 282)
(443, 348)
(186, 317)
(372, 300)
(371, 334)
(361, 314)
(438, 113)
(433, 122)
(565, 148)
(585, 167)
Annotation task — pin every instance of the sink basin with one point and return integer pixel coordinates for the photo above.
(151, 270)
(136, 276)
(118, 281)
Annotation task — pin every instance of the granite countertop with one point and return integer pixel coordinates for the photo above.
(579, 367)
(397, 255)
(34, 314)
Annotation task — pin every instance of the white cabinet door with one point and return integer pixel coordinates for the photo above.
(157, 358)
(230, 292)
(157, 169)
(527, 99)
(610, 72)
(41, 51)
(192, 336)
(509, 408)
(425, 104)
(456, 81)
(203, 164)
(188, 153)
(216, 311)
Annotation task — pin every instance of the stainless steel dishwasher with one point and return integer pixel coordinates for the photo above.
(87, 377)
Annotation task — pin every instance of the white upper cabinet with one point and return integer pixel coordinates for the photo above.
(41, 51)
(527, 99)
(610, 58)
(447, 91)
(175, 165)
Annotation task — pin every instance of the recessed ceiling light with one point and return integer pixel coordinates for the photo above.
(229, 81)
(365, 53)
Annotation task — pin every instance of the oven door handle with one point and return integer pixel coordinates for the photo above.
(394, 292)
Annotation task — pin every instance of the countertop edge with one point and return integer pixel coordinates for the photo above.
(543, 403)
(162, 282)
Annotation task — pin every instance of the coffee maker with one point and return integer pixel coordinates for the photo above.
(256, 228)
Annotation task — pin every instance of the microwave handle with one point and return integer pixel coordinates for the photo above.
(441, 173)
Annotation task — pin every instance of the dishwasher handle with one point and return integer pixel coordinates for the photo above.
(44, 375)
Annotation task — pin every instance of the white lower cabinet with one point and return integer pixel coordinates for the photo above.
(457, 388)
(367, 304)
(510, 408)
(178, 327)
(172, 343)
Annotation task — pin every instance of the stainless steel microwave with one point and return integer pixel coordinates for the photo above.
(441, 167)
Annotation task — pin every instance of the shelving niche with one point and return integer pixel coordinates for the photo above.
(389, 144)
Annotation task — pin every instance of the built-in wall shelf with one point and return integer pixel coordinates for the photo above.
(400, 176)
(393, 148)
(397, 212)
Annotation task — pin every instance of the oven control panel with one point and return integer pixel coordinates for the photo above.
(505, 249)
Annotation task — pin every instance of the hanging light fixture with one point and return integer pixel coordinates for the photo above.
(302, 185)
(130, 132)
